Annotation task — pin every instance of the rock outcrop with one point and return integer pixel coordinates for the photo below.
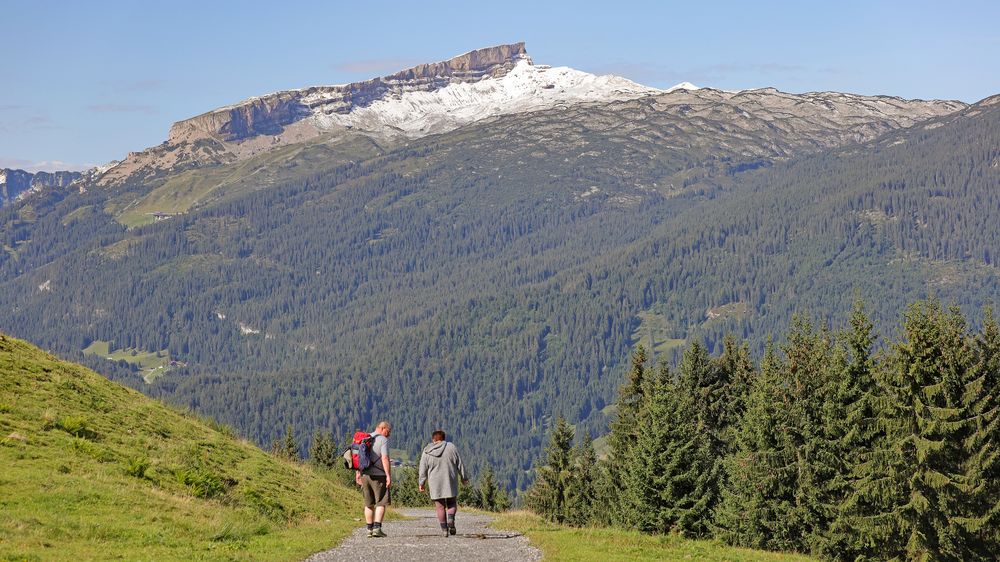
(17, 183)
(268, 115)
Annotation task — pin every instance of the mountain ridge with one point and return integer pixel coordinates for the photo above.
(16, 184)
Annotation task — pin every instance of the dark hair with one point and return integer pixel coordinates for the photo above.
(438, 435)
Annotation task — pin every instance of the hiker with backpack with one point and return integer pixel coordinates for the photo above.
(440, 467)
(373, 473)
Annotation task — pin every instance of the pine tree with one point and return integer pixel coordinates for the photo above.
(547, 496)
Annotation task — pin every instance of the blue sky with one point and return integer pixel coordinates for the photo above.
(83, 83)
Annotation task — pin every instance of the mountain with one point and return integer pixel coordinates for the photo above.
(486, 278)
(15, 184)
(423, 100)
(95, 471)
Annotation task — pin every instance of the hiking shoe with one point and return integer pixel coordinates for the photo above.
(378, 533)
(451, 530)
(445, 532)
(371, 533)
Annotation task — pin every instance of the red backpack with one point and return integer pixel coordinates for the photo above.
(359, 455)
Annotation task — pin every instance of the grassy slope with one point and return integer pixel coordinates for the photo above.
(140, 481)
(610, 545)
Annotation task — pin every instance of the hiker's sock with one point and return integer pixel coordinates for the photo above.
(444, 526)
(451, 519)
(371, 526)
(378, 525)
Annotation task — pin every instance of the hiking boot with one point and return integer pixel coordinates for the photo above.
(371, 533)
(451, 529)
(445, 532)
(377, 533)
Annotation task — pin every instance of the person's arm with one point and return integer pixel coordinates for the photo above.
(386, 465)
(422, 478)
(461, 468)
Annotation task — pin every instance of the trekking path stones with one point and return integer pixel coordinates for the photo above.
(420, 539)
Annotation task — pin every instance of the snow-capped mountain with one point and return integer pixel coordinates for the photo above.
(479, 85)
(423, 100)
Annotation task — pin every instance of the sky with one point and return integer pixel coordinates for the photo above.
(84, 83)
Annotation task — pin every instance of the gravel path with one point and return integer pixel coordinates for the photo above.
(420, 539)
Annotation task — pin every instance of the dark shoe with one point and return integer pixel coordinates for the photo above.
(378, 533)
(451, 530)
(445, 532)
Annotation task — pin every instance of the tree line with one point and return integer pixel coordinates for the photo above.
(832, 444)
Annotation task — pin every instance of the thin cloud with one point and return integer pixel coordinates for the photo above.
(122, 108)
(36, 122)
(34, 166)
(377, 66)
(148, 85)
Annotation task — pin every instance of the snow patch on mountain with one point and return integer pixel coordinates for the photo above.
(526, 87)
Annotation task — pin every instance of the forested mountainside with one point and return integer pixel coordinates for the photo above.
(486, 279)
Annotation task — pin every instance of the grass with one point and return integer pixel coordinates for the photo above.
(655, 327)
(609, 545)
(181, 192)
(152, 363)
(93, 470)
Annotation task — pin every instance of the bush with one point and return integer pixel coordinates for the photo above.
(137, 467)
(202, 483)
(77, 426)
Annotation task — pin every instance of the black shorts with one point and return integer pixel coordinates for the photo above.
(374, 490)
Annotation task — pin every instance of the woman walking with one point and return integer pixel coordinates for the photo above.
(440, 468)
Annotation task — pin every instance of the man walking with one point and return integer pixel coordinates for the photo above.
(376, 480)
(440, 467)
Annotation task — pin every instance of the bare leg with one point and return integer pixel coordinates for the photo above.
(439, 507)
(369, 513)
(379, 513)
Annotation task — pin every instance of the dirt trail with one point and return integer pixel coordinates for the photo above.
(420, 539)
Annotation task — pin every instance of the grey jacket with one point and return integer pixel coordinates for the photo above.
(440, 468)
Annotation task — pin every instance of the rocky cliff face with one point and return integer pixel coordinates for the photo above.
(17, 183)
(268, 115)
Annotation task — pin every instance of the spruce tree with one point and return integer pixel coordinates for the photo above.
(581, 494)
(758, 501)
(982, 514)
(547, 496)
(737, 370)
(287, 447)
(851, 423)
(622, 478)
(910, 497)
(491, 496)
(810, 365)
(322, 451)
